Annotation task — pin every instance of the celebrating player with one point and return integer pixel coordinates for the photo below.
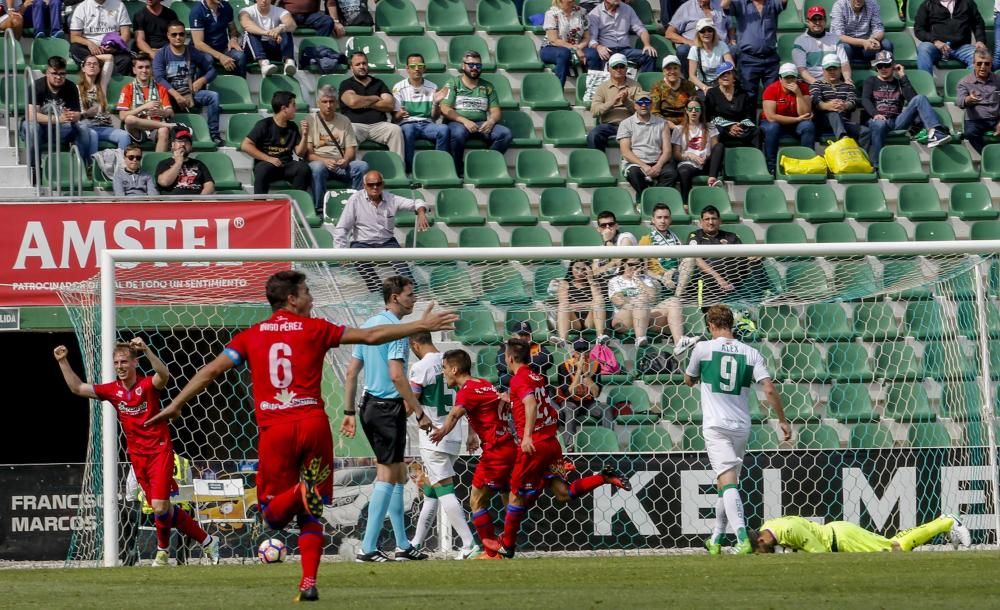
(726, 368)
(149, 449)
(801, 534)
(540, 460)
(285, 354)
(428, 385)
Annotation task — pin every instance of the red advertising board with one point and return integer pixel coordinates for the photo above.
(47, 247)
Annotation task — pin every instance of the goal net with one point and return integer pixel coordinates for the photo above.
(885, 356)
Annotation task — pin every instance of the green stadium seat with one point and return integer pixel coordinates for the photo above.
(239, 126)
(934, 231)
(334, 204)
(848, 363)
(458, 45)
(789, 20)
(798, 402)
(199, 127)
(946, 362)
(374, 47)
(304, 43)
(615, 200)
(498, 17)
(420, 45)
(875, 321)
(900, 163)
(866, 203)
(886, 232)
(763, 204)
(747, 166)
(581, 89)
(785, 234)
(542, 92)
(990, 161)
(920, 202)
(565, 128)
(44, 48)
(817, 204)
(702, 196)
(786, 42)
(530, 237)
(967, 317)
(951, 79)
(763, 437)
(475, 326)
(962, 400)
(802, 362)
(952, 163)
(406, 218)
(650, 439)
(807, 280)
(828, 322)
(435, 169)
(904, 49)
(220, 165)
(561, 206)
(817, 436)
(304, 202)
(595, 439)
(646, 80)
(681, 405)
(537, 168)
(522, 127)
(397, 18)
(798, 152)
(67, 171)
(780, 323)
(929, 434)
(896, 361)
(923, 84)
(510, 207)
(889, 12)
(234, 94)
(478, 237)
(279, 82)
(985, 229)
(544, 273)
(17, 53)
(644, 13)
(671, 197)
(518, 54)
(870, 436)
(972, 201)
(486, 364)
(581, 236)
(589, 168)
(692, 439)
(486, 169)
(533, 7)
(504, 285)
(854, 279)
(448, 17)
(637, 399)
(451, 286)
(908, 277)
(850, 403)
(389, 165)
(744, 232)
(323, 237)
(908, 402)
(662, 45)
(835, 233)
(431, 238)
(458, 208)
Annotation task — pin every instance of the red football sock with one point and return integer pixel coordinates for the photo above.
(310, 548)
(484, 525)
(163, 528)
(283, 507)
(512, 524)
(585, 485)
(188, 526)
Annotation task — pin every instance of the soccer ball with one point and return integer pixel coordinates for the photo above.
(272, 550)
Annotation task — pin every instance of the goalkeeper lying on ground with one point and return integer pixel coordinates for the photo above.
(800, 534)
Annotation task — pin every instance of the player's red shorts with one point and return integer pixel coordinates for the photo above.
(284, 448)
(495, 466)
(532, 471)
(155, 473)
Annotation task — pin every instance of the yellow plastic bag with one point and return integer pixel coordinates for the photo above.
(845, 157)
(815, 165)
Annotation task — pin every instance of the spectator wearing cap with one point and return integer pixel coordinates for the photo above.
(180, 174)
(644, 140)
(567, 38)
(706, 55)
(612, 102)
(757, 38)
(834, 100)
(858, 25)
(541, 357)
(687, 23)
(581, 303)
(578, 384)
(696, 148)
(610, 24)
(890, 102)
(979, 95)
(945, 29)
(273, 141)
(731, 109)
(671, 94)
(787, 111)
(816, 43)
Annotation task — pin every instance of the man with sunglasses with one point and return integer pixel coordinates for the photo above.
(647, 155)
(612, 102)
(185, 73)
(979, 95)
(472, 109)
(131, 179)
(945, 29)
(610, 25)
(816, 43)
(418, 106)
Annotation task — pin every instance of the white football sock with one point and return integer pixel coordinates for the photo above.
(734, 510)
(457, 518)
(427, 512)
(721, 522)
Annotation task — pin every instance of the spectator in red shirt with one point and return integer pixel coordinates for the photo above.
(787, 110)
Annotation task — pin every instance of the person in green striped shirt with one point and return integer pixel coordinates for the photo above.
(801, 534)
(417, 110)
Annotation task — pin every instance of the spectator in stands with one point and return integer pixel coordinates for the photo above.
(102, 28)
(715, 278)
(979, 95)
(180, 174)
(144, 106)
(417, 108)
(890, 102)
(834, 101)
(996, 34)
(273, 141)
(578, 384)
(632, 293)
(369, 221)
(352, 13)
(757, 35)
(267, 37)
(94, 109)
(541, 357)
(309, 14)
(858, 25)
(644, 139)
(56, 96)
(130, 179)
(185, 73)
(45, 18)
(731, 110)
(213, 31)
(472, 109)
(815, 44)
(150, 24)
(668, 313)
(686, 25)
(581, 303)
(567, 38)
(707, 53)
(366, 101)
(331, 147)
(610, 24)
(11, 18)
(671, 95)
(945, 29)
(612, 102)
(787, 111)
(696, 149)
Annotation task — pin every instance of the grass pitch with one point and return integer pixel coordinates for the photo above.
(912, 580)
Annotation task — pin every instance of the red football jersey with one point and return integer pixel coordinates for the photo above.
(285, 354)
(487, 415)
(134, 406)
(527, 383)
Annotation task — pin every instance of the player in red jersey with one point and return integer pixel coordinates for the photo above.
(488, 415)
(285, 354)
(539, 459)
(135, 399)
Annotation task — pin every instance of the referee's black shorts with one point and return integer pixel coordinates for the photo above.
(384, 423)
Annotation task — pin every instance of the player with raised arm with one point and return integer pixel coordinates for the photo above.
(726, 369)
(136, 398)
(540, 459)
(295, 450)
(428, 385)
(800, 534)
